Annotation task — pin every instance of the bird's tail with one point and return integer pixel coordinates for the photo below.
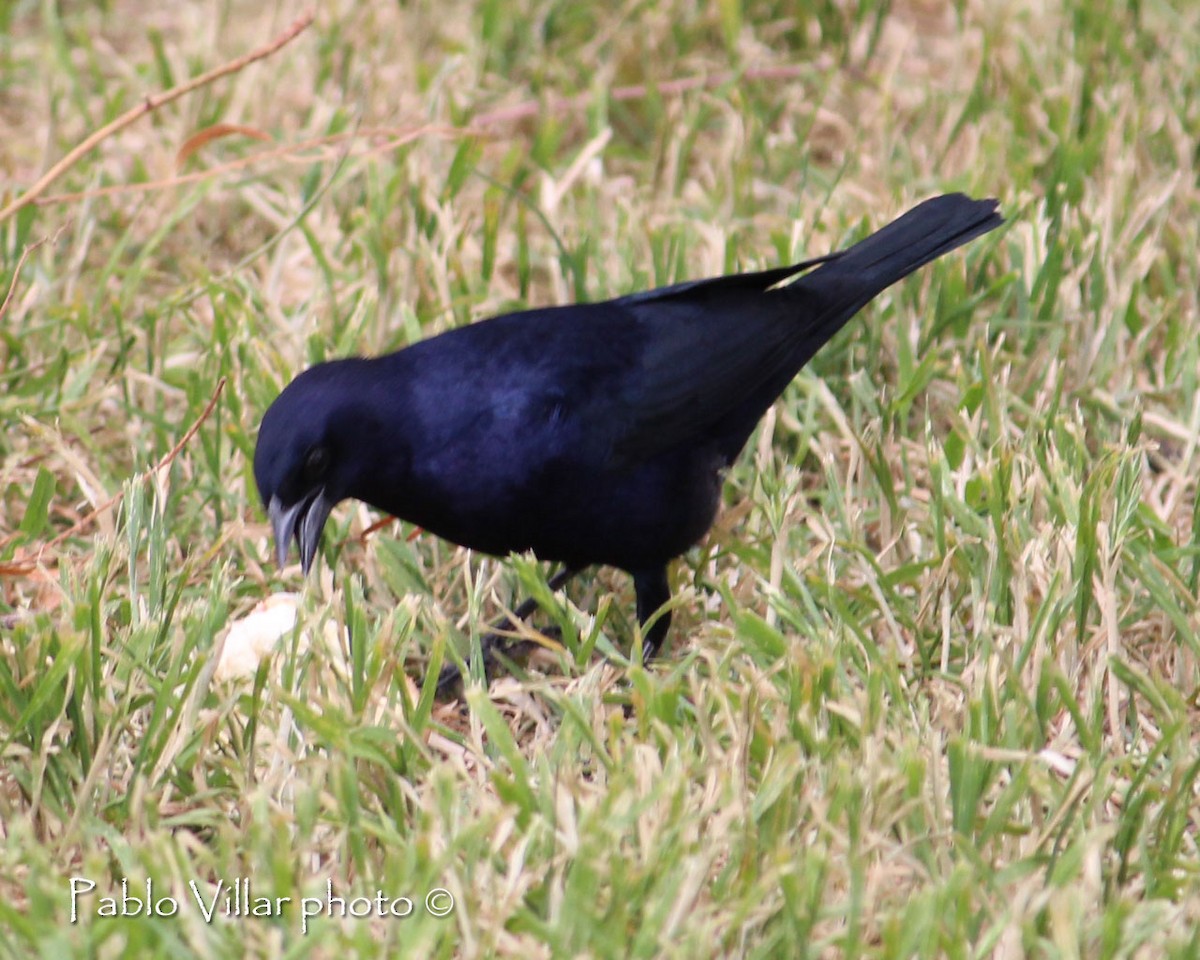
(839, 285)
(927, 231)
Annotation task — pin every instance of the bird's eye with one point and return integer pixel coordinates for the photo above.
(316, 462)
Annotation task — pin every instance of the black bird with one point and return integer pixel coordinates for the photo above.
(589, 434)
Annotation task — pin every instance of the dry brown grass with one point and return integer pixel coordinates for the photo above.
(933, 688)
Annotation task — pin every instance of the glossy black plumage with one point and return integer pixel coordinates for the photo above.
(589, 434)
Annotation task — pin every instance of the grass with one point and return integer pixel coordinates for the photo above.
(933, 689)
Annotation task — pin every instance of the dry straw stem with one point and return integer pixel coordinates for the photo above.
(531, 108)
(12, 286)
(392, 138)
(25, 567)
(150, 104)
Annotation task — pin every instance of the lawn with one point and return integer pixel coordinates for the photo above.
(933, 688)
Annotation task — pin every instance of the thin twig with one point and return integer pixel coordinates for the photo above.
(22, 567)
(378, 525)
(148, 105)
(395, 139)
(531, 108)
(477, 127)
(29, 248)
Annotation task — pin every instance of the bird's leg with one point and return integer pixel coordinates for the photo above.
(652, 592)
(488, 643)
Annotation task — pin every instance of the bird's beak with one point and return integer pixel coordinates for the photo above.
(304, 520)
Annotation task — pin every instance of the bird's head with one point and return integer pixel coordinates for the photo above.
(304, 462)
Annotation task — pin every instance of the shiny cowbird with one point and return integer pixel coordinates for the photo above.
(588, 434)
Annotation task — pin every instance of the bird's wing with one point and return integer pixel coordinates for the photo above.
(732, 283)
(711, 351)
(715, 354)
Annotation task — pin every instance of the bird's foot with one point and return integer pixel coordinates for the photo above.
(500, 649)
